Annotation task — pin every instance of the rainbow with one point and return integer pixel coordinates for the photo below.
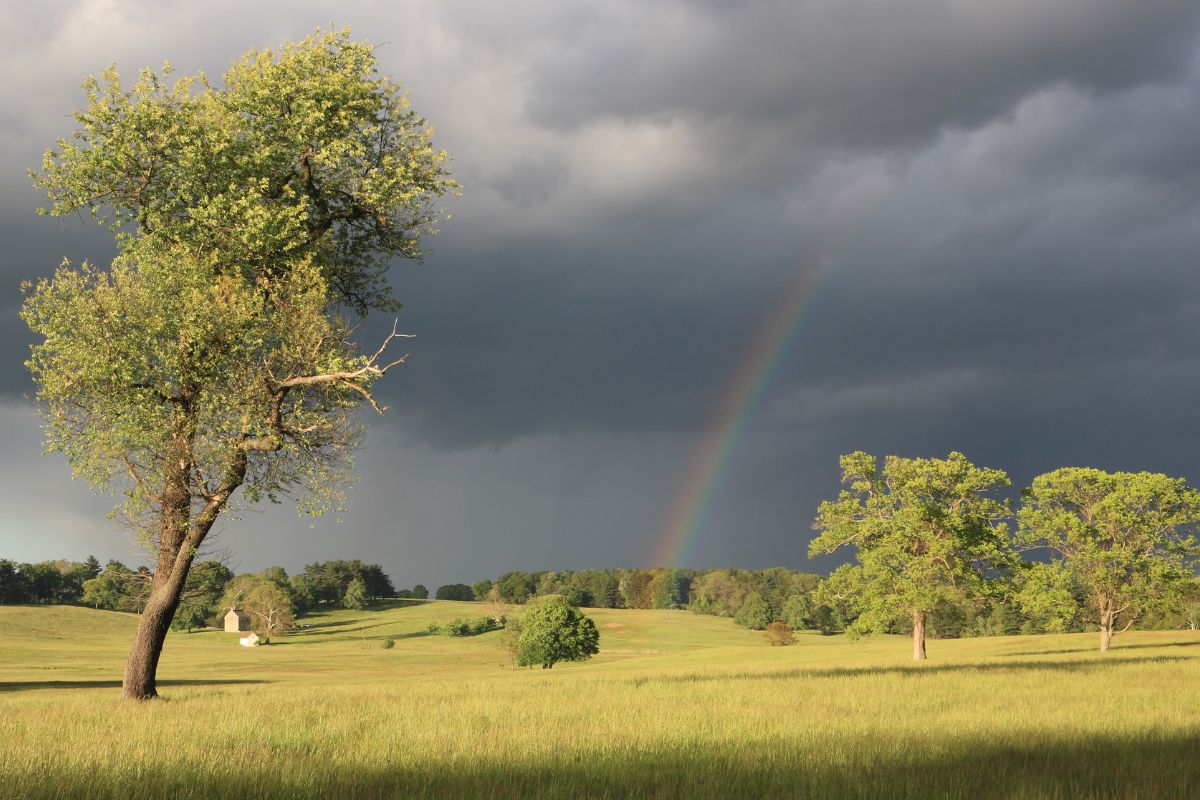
(685, 518)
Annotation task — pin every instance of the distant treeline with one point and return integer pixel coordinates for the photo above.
(211, 586)
(47, 581)
(756, 598)
(752, 598)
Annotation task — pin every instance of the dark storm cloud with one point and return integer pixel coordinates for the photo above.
(1012, 190)
(1028, 242)
(857, 74)
(32, 247)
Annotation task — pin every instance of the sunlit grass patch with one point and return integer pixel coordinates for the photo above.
(674, 705)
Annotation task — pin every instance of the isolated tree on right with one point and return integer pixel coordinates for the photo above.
(1127, 539)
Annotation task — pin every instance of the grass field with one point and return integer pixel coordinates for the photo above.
(676, 705)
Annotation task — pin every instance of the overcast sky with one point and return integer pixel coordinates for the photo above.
(993, 204)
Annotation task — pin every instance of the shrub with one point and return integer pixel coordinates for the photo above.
(779, 634)
(467, 627)
(388, 644)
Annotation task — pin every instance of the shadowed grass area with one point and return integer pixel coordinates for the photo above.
(1156, 767)
(1121, 647)
(676, 705)
(25, 686)
(915, 671)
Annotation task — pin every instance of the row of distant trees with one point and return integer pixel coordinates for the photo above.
(805, 601)
(59, 582)
(211, 589)
(723, 592)
(752, 598)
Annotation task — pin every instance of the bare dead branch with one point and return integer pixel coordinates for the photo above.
(365, 393)
(346, 378)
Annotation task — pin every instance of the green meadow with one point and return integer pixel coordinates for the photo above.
(675, 705)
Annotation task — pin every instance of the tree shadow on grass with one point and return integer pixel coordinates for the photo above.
(399, 636)
(337, 623)
(1117, 648)
(25, 686)
(299, 634)
(912, 670)
(378, 605)
(1038, 766)
(398, 602)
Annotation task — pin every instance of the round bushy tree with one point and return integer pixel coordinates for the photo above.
(797, 611)
(553, 630)
(454, 591)
(1124, 541)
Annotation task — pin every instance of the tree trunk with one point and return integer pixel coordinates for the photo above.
(918, 636)
(175, 554)
(180, 534)
(174, 558)
(1107, 630)
(153, 625)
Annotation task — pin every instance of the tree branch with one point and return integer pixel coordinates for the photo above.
(349, 378)
(131, 468)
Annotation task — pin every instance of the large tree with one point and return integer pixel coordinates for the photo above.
(925, 531)
(1127, 540)
(214, 356)
(270, 608)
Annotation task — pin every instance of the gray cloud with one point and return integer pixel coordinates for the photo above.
(997, 202)
(856, 74)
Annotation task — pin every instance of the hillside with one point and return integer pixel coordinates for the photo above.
(675, 704)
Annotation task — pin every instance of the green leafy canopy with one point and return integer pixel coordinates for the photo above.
(303, 155)
(212, 355)
(1126, 541)
(553, 630)
(925, 530)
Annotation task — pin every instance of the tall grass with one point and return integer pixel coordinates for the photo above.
(675, 706)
